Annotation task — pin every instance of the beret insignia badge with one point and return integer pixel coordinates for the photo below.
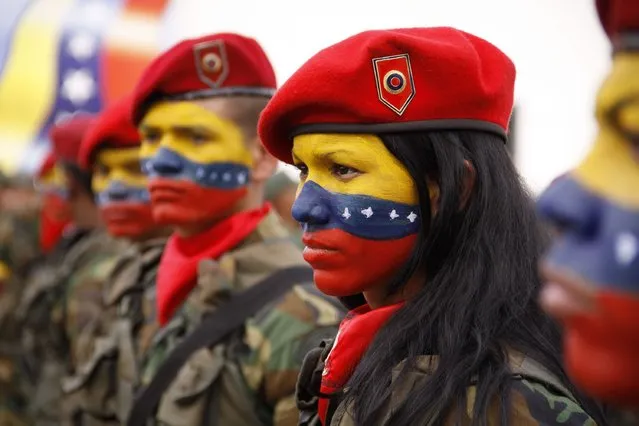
(211, 63)
(394, 81)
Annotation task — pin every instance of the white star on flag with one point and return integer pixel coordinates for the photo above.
(626, 248)
(367, 212)
(412, 216)
(82, 46)
(78, 86)
(226, 177)
(346, 213)
(241, 178)
(393, 214)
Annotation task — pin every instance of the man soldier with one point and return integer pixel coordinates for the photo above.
(62, 299)
(593, 266)
(197, 107)
(111, 153)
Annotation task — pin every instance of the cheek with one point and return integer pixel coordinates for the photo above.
(183, 202)
(601, 350)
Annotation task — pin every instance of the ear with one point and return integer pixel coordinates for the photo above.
(264, 164)
(470, 175)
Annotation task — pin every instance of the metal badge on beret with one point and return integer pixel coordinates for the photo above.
(211, 63)
(394, 80)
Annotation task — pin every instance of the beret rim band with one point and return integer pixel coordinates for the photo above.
(266, 92)
(400, 127)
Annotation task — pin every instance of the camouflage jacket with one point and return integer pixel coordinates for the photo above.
(538, 397)
(101, 389)
(62, 302)
(19, 242)
(248, 379)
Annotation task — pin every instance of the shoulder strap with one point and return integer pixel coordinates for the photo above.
(225, 319)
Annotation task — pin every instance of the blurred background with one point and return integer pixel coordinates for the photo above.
(60, 57)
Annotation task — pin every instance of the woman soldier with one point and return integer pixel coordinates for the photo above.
(411, 206)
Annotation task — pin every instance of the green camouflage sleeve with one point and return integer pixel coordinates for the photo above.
(280, 339)
(536, 404)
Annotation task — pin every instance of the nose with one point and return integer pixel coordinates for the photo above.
(312, 205)
(570, 207)
(165, 163)
(117, 192)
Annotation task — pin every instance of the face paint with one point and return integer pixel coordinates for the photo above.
(594, 263)
(56, 211)
(197, 163)
(121, 194)
(358, 208)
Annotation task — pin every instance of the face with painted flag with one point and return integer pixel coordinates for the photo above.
(56, 211)
(197, 162)
(593, 266)
(120, 191)
(358, 207)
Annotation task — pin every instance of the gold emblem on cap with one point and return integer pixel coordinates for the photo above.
(387, 79)
(212, 62)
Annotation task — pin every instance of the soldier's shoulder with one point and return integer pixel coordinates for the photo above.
(538, 403)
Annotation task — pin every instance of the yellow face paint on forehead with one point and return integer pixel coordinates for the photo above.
(193, 132)
(121, 164)
(611, 168)
(378, 173)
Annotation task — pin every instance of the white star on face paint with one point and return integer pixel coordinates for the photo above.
(82, 46)
(625, 248)
(200, 173)
(241, 178)
(78, 86)
(412, 216)
(368, 212)
(346, 213)
(393, 214)
(226, 177)
(214, 175)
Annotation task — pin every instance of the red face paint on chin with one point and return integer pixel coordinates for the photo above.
(183, 202)
(602, 349)
(344, 264)
(128, 220)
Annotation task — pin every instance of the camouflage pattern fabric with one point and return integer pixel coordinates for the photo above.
(249, 379)
(61, 303)
(101, 389)
(538, 398)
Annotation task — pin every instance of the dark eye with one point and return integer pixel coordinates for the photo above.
(344, 172)
(198, 138)
(151, 137)
(101, 169)
(303, 170)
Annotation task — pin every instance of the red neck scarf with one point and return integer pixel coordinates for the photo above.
(356, 332)
(177, 271)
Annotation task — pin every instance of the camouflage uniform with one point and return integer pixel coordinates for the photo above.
(62, 301)
(538, 397)
(248, 379)
(102, 387)
(19, 250)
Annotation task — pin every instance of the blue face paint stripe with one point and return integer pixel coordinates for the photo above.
(169, 164)
(359, 215)
(118, 192)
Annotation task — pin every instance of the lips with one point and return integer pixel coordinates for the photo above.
(165, 191)
(320, 251)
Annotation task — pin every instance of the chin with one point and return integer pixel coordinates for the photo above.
(338, 283)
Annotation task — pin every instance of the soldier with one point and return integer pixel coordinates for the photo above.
(409, 199)
(101, 390)
(62, 299)
(197, 107)
(593, 266)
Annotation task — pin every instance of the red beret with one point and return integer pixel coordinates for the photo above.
(618, 16)
(214, 65)
(393, 81)
(47, 165)
(67, 135)
(113, 127)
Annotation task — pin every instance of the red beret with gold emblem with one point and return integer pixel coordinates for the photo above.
(401, 80)
(112, 128)
(222, 64)
(66, 137)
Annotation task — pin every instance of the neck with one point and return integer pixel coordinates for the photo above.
(86, 215)
(378, 296)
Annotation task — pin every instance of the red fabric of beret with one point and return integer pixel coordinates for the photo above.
(222, 64)
(393, 81)
(113, 127)
(618, 16)
(66, 137)
(47, 165)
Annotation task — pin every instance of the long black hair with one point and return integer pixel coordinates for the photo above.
(480, 255)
